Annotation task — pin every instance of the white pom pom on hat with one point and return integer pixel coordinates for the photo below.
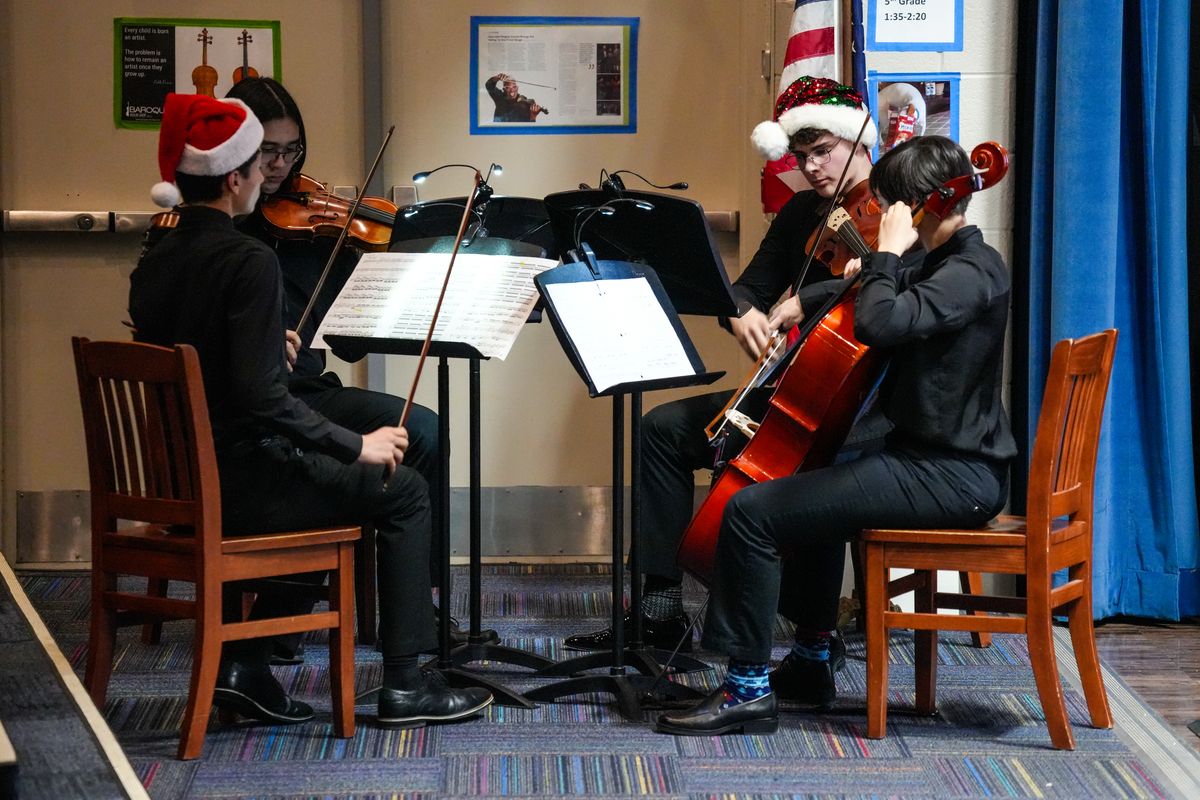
(817, 103)
(202, 136)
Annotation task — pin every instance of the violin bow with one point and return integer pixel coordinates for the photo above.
(462, 229)
(337, 248)
(834, 203)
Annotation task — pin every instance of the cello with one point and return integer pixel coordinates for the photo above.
(828, 378)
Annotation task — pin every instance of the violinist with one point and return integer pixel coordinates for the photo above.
(282, 465)
(815, 124)
(302, 261)
(511, 105)
(944, 464)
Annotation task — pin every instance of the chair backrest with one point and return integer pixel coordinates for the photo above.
(149, 442)
(1062, 470)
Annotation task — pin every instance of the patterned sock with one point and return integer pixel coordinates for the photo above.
(811, 645)
(662, 598)
(745, 682)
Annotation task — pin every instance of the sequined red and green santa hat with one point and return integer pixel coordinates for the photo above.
(817, 103)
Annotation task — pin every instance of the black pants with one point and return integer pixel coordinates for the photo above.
(363, 411)
(272, 487)
(808, 518)
(674, 446)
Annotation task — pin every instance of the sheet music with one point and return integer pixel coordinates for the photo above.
(393, 295)
(620, 331)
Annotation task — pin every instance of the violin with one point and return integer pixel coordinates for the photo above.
(245, 70)
(204, 77)
(859, 207)
(305, 208)
(829, 377)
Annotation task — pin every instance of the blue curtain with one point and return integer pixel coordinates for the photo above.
(1107, 247)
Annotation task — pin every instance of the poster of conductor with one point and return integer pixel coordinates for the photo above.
(553, 75)
(155, 56)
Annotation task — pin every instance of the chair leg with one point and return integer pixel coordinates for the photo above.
(102, 640)
(206, 662)
(341, 642)
(1083, 642)
(875, 603)
(972, 583)
(925, 643)
(152, 631)
(364, 585)
(1045, 672)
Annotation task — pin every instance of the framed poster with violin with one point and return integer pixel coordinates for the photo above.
(155, 56)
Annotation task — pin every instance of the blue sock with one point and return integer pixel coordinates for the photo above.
(811, 646)
(745, 682)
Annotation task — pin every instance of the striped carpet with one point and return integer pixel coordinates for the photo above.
(989, 740)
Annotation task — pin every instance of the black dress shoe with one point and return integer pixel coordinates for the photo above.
(707, 718)
(808, 683)
(662, 634)
(253, 692)
(435, 702)
(837, 652)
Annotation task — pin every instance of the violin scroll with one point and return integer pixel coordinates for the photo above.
(990, 158)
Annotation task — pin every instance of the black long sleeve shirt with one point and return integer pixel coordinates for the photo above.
(207, 285)
(943, 323)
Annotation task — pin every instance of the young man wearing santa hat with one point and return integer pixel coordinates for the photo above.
(282, 465)
(826, 131)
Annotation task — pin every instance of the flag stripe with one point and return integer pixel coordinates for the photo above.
(809, 44)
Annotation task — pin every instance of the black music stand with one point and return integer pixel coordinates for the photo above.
(672, 237)
(513, 219)
(477, 648)
(625, 687)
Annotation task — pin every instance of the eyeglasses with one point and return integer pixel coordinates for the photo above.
(289, 154)
(820, 156)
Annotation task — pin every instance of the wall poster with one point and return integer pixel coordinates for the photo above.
(153, 57)
(915, 25)
(553, 75)
(907, 106)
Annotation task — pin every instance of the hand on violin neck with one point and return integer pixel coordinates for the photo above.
(753, 331)
(896, 232)
(787, 314)
(292, 344)
(852, 268)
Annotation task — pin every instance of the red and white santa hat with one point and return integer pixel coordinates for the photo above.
(202, 136)
(818, 103)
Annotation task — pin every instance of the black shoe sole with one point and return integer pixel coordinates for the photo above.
(421, 720)
(750, 728)
(230, 700)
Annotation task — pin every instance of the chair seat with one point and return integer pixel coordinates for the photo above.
(1003, 531)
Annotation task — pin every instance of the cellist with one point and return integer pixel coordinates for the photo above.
(815, 124)
(944, 464)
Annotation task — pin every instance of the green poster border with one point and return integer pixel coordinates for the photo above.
(118, 50)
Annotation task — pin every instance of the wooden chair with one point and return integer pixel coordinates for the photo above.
(151, 461)
(1055, 534)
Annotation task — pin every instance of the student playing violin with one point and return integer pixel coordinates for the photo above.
(302, 261)
(815, 125)
(944, 464)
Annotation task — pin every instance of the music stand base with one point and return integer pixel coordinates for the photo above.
(467, 653)
(626, 688)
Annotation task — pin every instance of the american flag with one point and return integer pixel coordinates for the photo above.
(812, 43)
(814, 48)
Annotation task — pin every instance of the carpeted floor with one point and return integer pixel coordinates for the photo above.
(989, 739)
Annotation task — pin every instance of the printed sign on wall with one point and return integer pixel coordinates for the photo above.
(907, 106)
(154, 57)
(553, 75)
(915, 25)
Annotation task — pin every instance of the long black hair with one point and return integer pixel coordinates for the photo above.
(270, 101)
(913, 170)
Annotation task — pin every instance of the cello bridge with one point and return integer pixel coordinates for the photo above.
(742, 422)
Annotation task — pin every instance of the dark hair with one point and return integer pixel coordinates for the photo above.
(269, 101)
(207, 188)
(913, 170)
